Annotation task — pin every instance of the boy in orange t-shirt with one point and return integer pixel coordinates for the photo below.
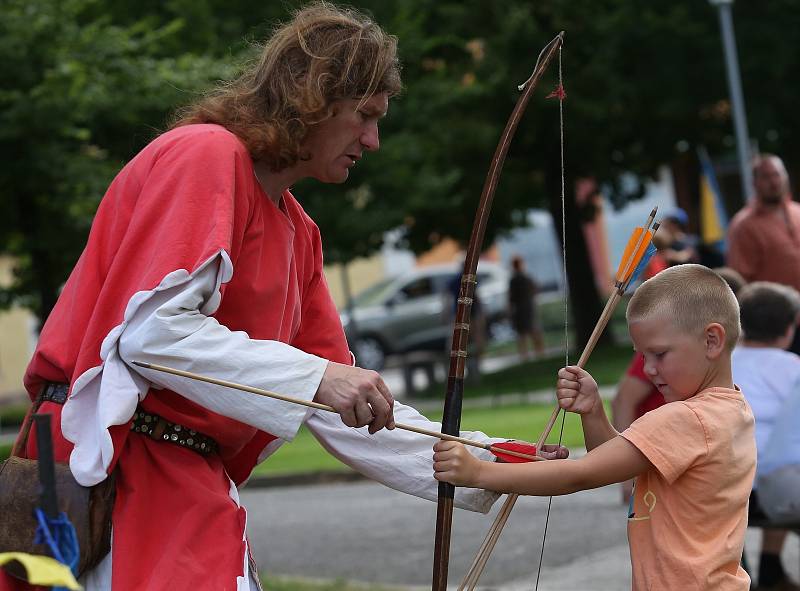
(693, 458)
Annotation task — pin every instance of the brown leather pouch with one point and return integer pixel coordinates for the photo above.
(88, 508)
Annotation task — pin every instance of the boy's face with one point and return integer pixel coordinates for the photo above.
(676, 362)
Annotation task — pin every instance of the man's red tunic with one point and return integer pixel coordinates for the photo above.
(189, 197)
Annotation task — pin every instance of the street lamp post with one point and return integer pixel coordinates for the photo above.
(735, 90)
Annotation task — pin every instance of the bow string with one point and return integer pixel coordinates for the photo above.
(636, 255)
(451, 421)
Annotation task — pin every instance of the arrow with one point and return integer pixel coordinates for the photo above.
(510, 451)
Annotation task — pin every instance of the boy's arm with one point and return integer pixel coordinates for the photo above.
(577, 392)
(616, 460)
(597, 430)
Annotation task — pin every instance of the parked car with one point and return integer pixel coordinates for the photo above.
(407, 313)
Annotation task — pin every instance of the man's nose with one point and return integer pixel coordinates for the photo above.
(369, 138)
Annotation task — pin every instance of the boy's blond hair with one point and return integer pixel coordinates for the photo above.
(693, 296)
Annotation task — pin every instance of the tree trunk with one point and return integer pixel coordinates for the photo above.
(585, 304)
(42, 270)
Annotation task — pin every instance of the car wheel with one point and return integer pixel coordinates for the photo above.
(501, 331)
(370, 353)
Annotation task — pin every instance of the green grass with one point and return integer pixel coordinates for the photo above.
(304, 454)
(526, 422)
(521, 422)
(606, 364)
(13, 415)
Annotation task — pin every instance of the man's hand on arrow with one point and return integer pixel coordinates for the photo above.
(360, 396)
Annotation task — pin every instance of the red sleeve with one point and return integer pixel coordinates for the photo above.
(656, 265)
(636, 368)
(184, 198)
(655, 398)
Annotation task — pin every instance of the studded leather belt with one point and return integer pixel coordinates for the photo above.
(54, 392)
(146, 423)
(161, 429)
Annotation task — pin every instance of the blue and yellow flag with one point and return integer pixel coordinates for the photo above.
(713, 218)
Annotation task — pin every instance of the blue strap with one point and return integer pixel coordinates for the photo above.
(59, 536)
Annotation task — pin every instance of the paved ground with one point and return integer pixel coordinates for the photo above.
(365, 532)
(368, 533)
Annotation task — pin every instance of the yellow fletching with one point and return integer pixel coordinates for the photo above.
(630, 258)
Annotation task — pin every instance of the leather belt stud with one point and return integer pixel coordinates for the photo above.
(55, 392)
(160, 429)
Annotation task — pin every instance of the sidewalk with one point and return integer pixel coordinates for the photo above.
(609, 569)
(367, 533)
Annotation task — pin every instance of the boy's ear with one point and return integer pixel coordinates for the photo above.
(715, 339)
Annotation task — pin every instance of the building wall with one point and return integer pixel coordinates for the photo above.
(16, 343)
(362, 273)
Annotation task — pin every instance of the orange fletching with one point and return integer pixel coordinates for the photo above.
(630, 258)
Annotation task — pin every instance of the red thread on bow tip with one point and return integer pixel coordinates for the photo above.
(558, 93)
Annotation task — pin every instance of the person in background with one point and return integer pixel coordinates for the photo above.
(682, 247)
(522, 290)
(732, 277)
(779, 479)
(768, 376)
(764, 237)
(658, 262)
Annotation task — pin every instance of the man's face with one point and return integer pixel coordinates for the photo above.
(674, 361)
(335, 145)
(770, 182)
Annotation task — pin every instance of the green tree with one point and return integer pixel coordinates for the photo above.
(83, 95)
(88, 83)
(645, 82)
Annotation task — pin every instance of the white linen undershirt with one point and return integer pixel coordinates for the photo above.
(171, 327)
(766, 376)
